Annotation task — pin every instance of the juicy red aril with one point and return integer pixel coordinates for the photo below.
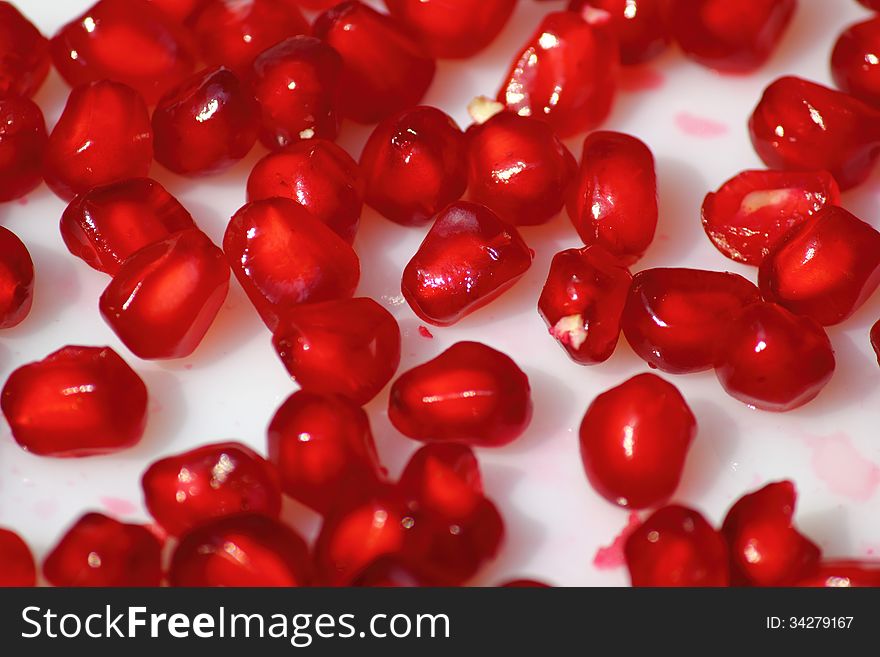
(443, 478)
(875, 340)
(385, 70)
(870, 4)
(206, 124)
(854, 64)
(675, 546)
(413, 165)
(320, 176)
(639, 24)
(282, 256)
(220, 479)
(349, 347)
(16, 280)
(750, 212)
(582, 302)
(22, 146)
(566, 73)
(241, 550)
(844, 574)
(673, 317)
(19, 568)
(77, 401)
(179, 10)
(771, 359)
(24, 53)
(103, 136)
(470, 393)
(387, 572)
(824, 269)
(101, 551)
(324, 451)
(467, 259)
(765, 547)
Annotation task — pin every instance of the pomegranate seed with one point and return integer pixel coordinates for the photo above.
(77, 401)
(324, 451)
(22, 145)
(16, 280)
(320, 176)
(19, 568)
(614, 198)
(100, 551)
(673, 317)
(103, 136)
(854, 61)
(24, 53)
(444, 478)
(765, 547)
(414, 165)
(566, 73)
(129, 41)
(582, 302)
(771, 359)
(282, 257)
(469, 393)
(844, 574)
(385, 69)
(242, 550)
(750, 212)
(524, 584)
(297, 84)
(468, 258)
(802, 125)
(675, 546)
(870, 4)
(179, 10)
(317, 5)
(875, 339)
(639, 24)
(349, 347)
(387, 572)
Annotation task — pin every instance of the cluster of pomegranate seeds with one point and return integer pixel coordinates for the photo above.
(24, 54)
(16, 280)
(22, 146)
(639, 24)
(19, 568)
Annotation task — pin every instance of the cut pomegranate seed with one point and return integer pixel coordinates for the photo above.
(854, 63)
(639, 25)
(844, 574)
(19, 568)
(771, 359)
(385, 69)
(467, 259)
(179, 10)
(16, 280)
(22, 145)
(524, 584)
(387, 572)
(582, 302)
(24, 53)
(673, 317)
(750, 212)
(875, 339)
(100, 551)
(77, 401)
(469, 393)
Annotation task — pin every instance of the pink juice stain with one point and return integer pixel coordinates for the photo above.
(698, 126)
(610, 556)
(843, 468)
(118, 506)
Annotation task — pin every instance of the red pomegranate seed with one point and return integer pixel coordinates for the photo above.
(77, 401)
(844, 574)
(320, 176)
(675, 546)
(349, 347)
(854, 63)
(19, 568)
(582, 302)
(765, 547)
(870, 4)
(242, 550)
(100, 551)
(317, 5)
(414, 165)
(454, 30)
(16, 280)
(443, 477)
(750, 212)
(875, 339)
(206, 124)
(524, 584)
(566, 73)
(639, 24)
(129, 41)
(282, 257)
(771, 359)
(22, 146)
(470, 393)
(802, 125)
(467, 259)
(179, 10)
(103, 136)
(165, 297)
(613, 200)
(324, 451)
(24, 53)
(297, 85)
(673, 317)
(385, 69)
(387, 572)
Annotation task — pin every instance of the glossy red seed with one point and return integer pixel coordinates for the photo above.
(854, 63)
(443, 478)
(100, 551)
(524, 584)
(24, 53)
(414, 165)
(673, 317)
(801, 125)
(317, 5)
(241, 550)
(875, 340)
(771, 359)
(16, 280)
(566, 73)
(387, 572)
(179, 10)
(844, 574)
(18, 568)
(77, 401)
(385, 69)
(675, 546)
(870, 4)
(639, 24)
(22, 147)
(750, 212)
(324, 451)
(467, 259)
(613, 200)
(129, 41)
(349, 347)
(103, 136)
(318, 175)
(470, 393)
